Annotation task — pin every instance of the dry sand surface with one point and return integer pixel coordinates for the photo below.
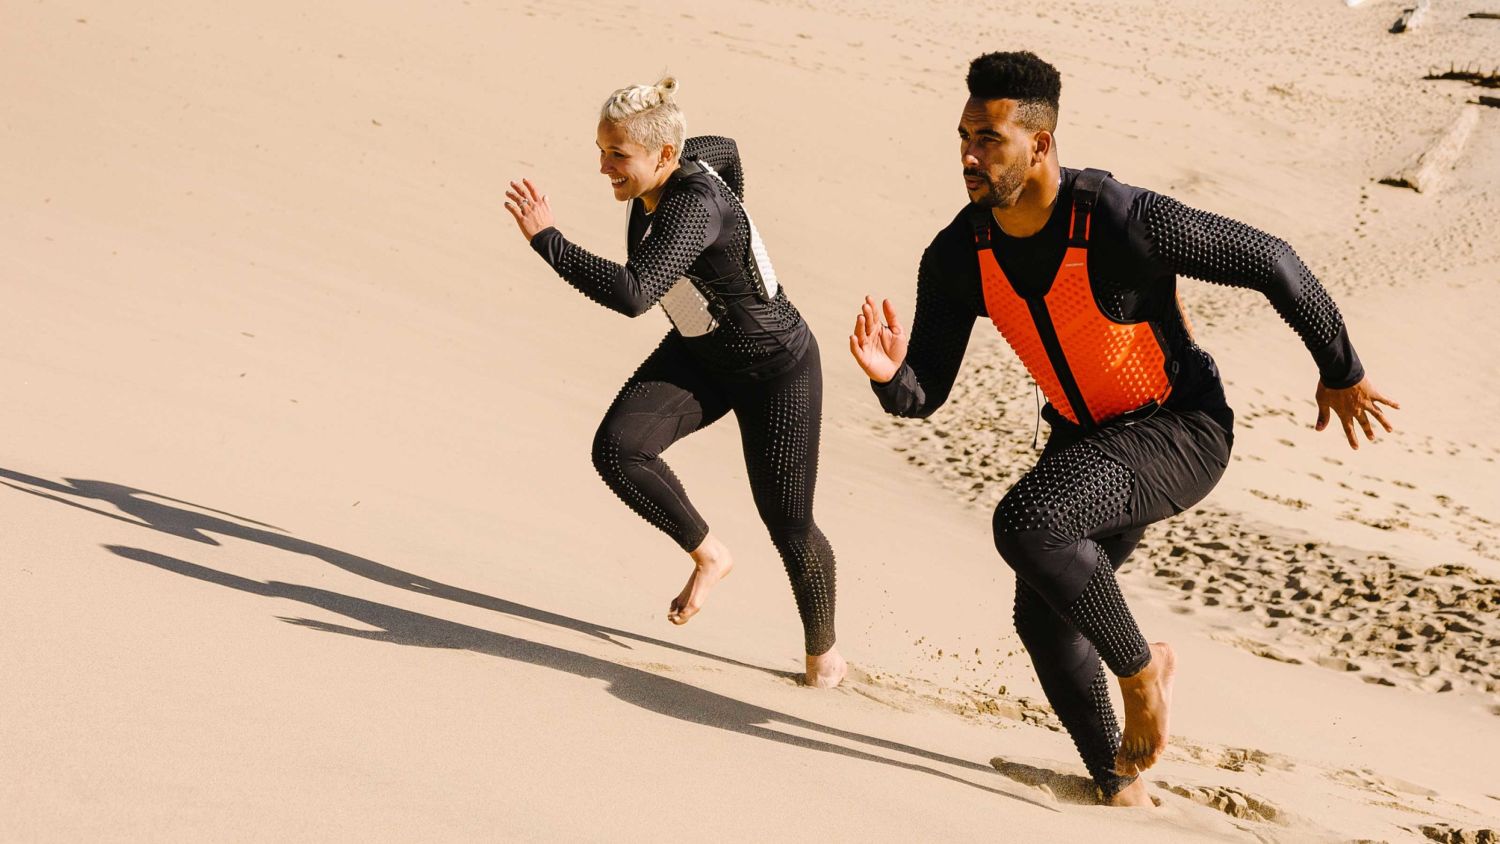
(301, 536)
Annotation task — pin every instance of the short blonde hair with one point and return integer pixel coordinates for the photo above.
(648, 114)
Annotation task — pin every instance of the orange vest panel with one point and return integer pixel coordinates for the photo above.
(1117, 367)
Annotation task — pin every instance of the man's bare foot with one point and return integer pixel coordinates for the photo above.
(711, 564)
(1148, 697)
(1132, 795)
(825, 670)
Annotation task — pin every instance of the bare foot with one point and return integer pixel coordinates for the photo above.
(1133, 795)
(1148, 697)
(826, 670)
(711, 564)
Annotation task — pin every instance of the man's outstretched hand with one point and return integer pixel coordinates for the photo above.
(1354, 404)
(879, 346)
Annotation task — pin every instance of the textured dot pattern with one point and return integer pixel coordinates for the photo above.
(680, 230)
(1042, 528)
(699, 230)
(1101, 615)
(1118, 367)
(780, 435)
(810, 567)
(664, 401)
(1139, 242)
(1076, 685)
(1099, 752)
(672, 395)
(1065, 494)
(755, 332)
(1217, 249)
(720, 153)
(1011, 315)
(939, 337)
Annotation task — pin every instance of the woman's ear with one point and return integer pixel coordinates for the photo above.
(668, 156)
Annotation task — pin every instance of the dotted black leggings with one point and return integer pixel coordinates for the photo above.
(672, 395)
(1065, 528)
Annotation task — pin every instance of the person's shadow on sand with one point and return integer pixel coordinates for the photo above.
(149, 510)
(653, 692)
(641, 688)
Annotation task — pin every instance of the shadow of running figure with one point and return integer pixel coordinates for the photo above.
(653, 692)
(152, 510)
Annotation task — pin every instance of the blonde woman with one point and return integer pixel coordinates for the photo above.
(736, 344)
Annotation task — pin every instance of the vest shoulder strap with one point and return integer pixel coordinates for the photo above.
(1086, 190)
(981, 220)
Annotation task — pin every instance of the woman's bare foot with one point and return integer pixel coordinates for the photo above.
(825, 670)
(711, 564)
(1148, 697)
(1134, 794)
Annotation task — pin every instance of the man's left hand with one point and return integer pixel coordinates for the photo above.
(1354, 404)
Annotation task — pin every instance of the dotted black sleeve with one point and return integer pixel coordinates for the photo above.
(1220, 250)
(939, 337)
(683, 225)
(722, 154)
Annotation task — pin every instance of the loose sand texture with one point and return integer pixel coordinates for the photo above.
(302, 538)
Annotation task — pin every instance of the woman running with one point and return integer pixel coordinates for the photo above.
(737, 344)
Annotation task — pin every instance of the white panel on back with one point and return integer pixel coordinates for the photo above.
(687, 308)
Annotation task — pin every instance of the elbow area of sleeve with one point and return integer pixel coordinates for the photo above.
(635, 307)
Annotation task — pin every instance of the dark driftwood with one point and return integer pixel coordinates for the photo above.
(1493, 102)
(1493, 16)
(1473, 76)
(1412, 18)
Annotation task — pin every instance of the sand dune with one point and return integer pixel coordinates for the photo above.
(285, 390)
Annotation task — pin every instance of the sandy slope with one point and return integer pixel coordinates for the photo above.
(285, 389)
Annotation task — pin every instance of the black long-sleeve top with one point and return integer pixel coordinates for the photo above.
(1139, 242)
(699, 229)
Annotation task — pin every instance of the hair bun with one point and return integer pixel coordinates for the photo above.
(649, 113)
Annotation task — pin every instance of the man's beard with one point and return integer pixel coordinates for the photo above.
(1002, 192)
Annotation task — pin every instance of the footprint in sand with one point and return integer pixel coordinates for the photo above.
(1449, 834)
(1237, 759)
(1388, 786)
(1260, 649)
(1230, 801)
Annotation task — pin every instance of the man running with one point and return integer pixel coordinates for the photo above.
(1078, 273)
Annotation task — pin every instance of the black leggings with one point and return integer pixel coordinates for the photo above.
(1065, 528)
(672, 395)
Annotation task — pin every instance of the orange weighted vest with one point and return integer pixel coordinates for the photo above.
(1091, 368)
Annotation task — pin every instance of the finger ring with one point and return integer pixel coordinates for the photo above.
(525, 202)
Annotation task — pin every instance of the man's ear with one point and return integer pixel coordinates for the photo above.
(1041, 146)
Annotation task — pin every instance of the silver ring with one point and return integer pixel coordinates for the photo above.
(525, 202)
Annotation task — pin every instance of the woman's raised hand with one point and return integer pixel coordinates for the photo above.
(878, 345)
(529, 206)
